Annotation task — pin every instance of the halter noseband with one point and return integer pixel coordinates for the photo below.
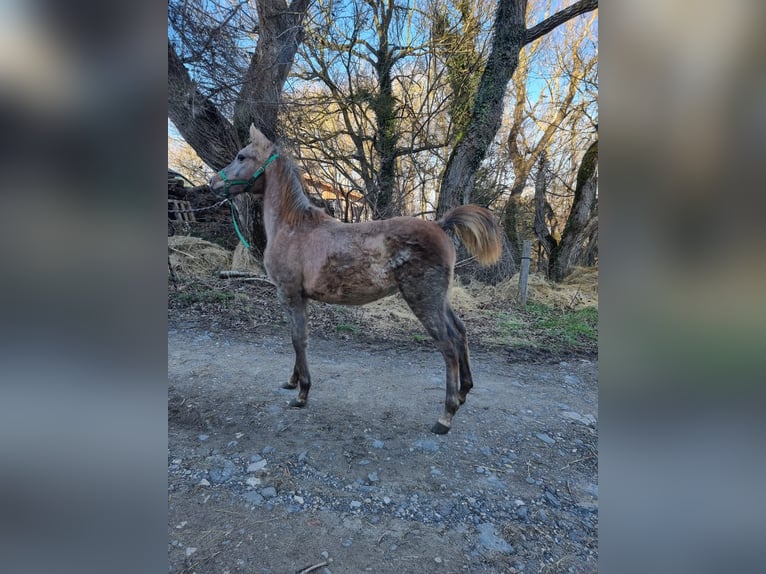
(246, 182)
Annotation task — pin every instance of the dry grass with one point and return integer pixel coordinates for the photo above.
(578, 291)
(191, 257)
(559, 317)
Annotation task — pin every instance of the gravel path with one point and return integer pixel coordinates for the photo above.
(355, 482)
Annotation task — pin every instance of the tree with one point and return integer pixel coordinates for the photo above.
(369, 104)
(217, 87)
(577, 239)
(510, 35)
(555, 124)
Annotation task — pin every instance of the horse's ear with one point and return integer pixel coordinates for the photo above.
(257, 137)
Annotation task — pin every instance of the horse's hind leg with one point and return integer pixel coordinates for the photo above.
(466, 379)
(296, 311)
(427, 299)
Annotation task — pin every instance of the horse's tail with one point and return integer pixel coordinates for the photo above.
(477, 229)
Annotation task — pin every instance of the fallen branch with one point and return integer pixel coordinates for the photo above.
(244, 276)
(314, 567)
(230, 274)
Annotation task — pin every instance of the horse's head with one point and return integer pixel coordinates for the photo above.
(244, 173)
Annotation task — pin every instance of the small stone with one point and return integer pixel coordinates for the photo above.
(545, 438)
(491, 541)
(253, 481)
(427, 445)
(373, 476)
(587, 420)
(298, 499)
(393, 547)
(438, 560)
(182, 524)
(479, 470)
(223, 473)
(204, 482)
(203, 437)
(231, 444)
(346, 543)
(267, 449)
(269, 492)
(571, 380)
(553, 499)
(253, 498)
(325, 554)
(256, 466)
(302, 456)
(190, 550)
(356, 504)
(256, 458)
(377, 444)
(363, 462)
(386, 500)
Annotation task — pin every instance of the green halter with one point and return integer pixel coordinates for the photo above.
(247, 183)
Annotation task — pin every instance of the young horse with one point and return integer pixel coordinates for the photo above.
(310, 255)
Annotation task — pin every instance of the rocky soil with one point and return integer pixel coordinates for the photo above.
(355, 482)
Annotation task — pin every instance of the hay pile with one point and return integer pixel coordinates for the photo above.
(194, 257)
(577, 291)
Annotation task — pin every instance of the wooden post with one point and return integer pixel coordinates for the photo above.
(524, 273)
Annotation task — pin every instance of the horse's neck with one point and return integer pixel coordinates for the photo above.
(281, 196)
(272, 204)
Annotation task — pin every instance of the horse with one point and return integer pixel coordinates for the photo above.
(311, 255)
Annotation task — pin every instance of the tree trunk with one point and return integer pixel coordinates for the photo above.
(486, 115)
(280, 29)
(196, 117)
(386, 133)
(208, 132)
(509, 37)
(569, 250)
(542, 207)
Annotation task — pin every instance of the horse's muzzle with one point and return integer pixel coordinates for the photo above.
(217, 185)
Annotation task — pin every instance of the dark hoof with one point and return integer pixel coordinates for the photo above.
(439, 428)
(298, 404)
(289, 385)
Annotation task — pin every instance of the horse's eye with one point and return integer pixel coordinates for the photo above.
(240, 157)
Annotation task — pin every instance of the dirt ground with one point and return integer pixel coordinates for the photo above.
(355, 482)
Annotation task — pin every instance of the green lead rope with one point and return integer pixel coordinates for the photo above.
(236, 227)
(247, 183)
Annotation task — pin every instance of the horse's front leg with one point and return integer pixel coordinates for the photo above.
(296, 311)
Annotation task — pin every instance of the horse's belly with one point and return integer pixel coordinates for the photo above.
(352, 286)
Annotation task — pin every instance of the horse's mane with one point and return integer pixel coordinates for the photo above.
(295, 206)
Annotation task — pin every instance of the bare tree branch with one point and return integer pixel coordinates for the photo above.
(558, 19)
